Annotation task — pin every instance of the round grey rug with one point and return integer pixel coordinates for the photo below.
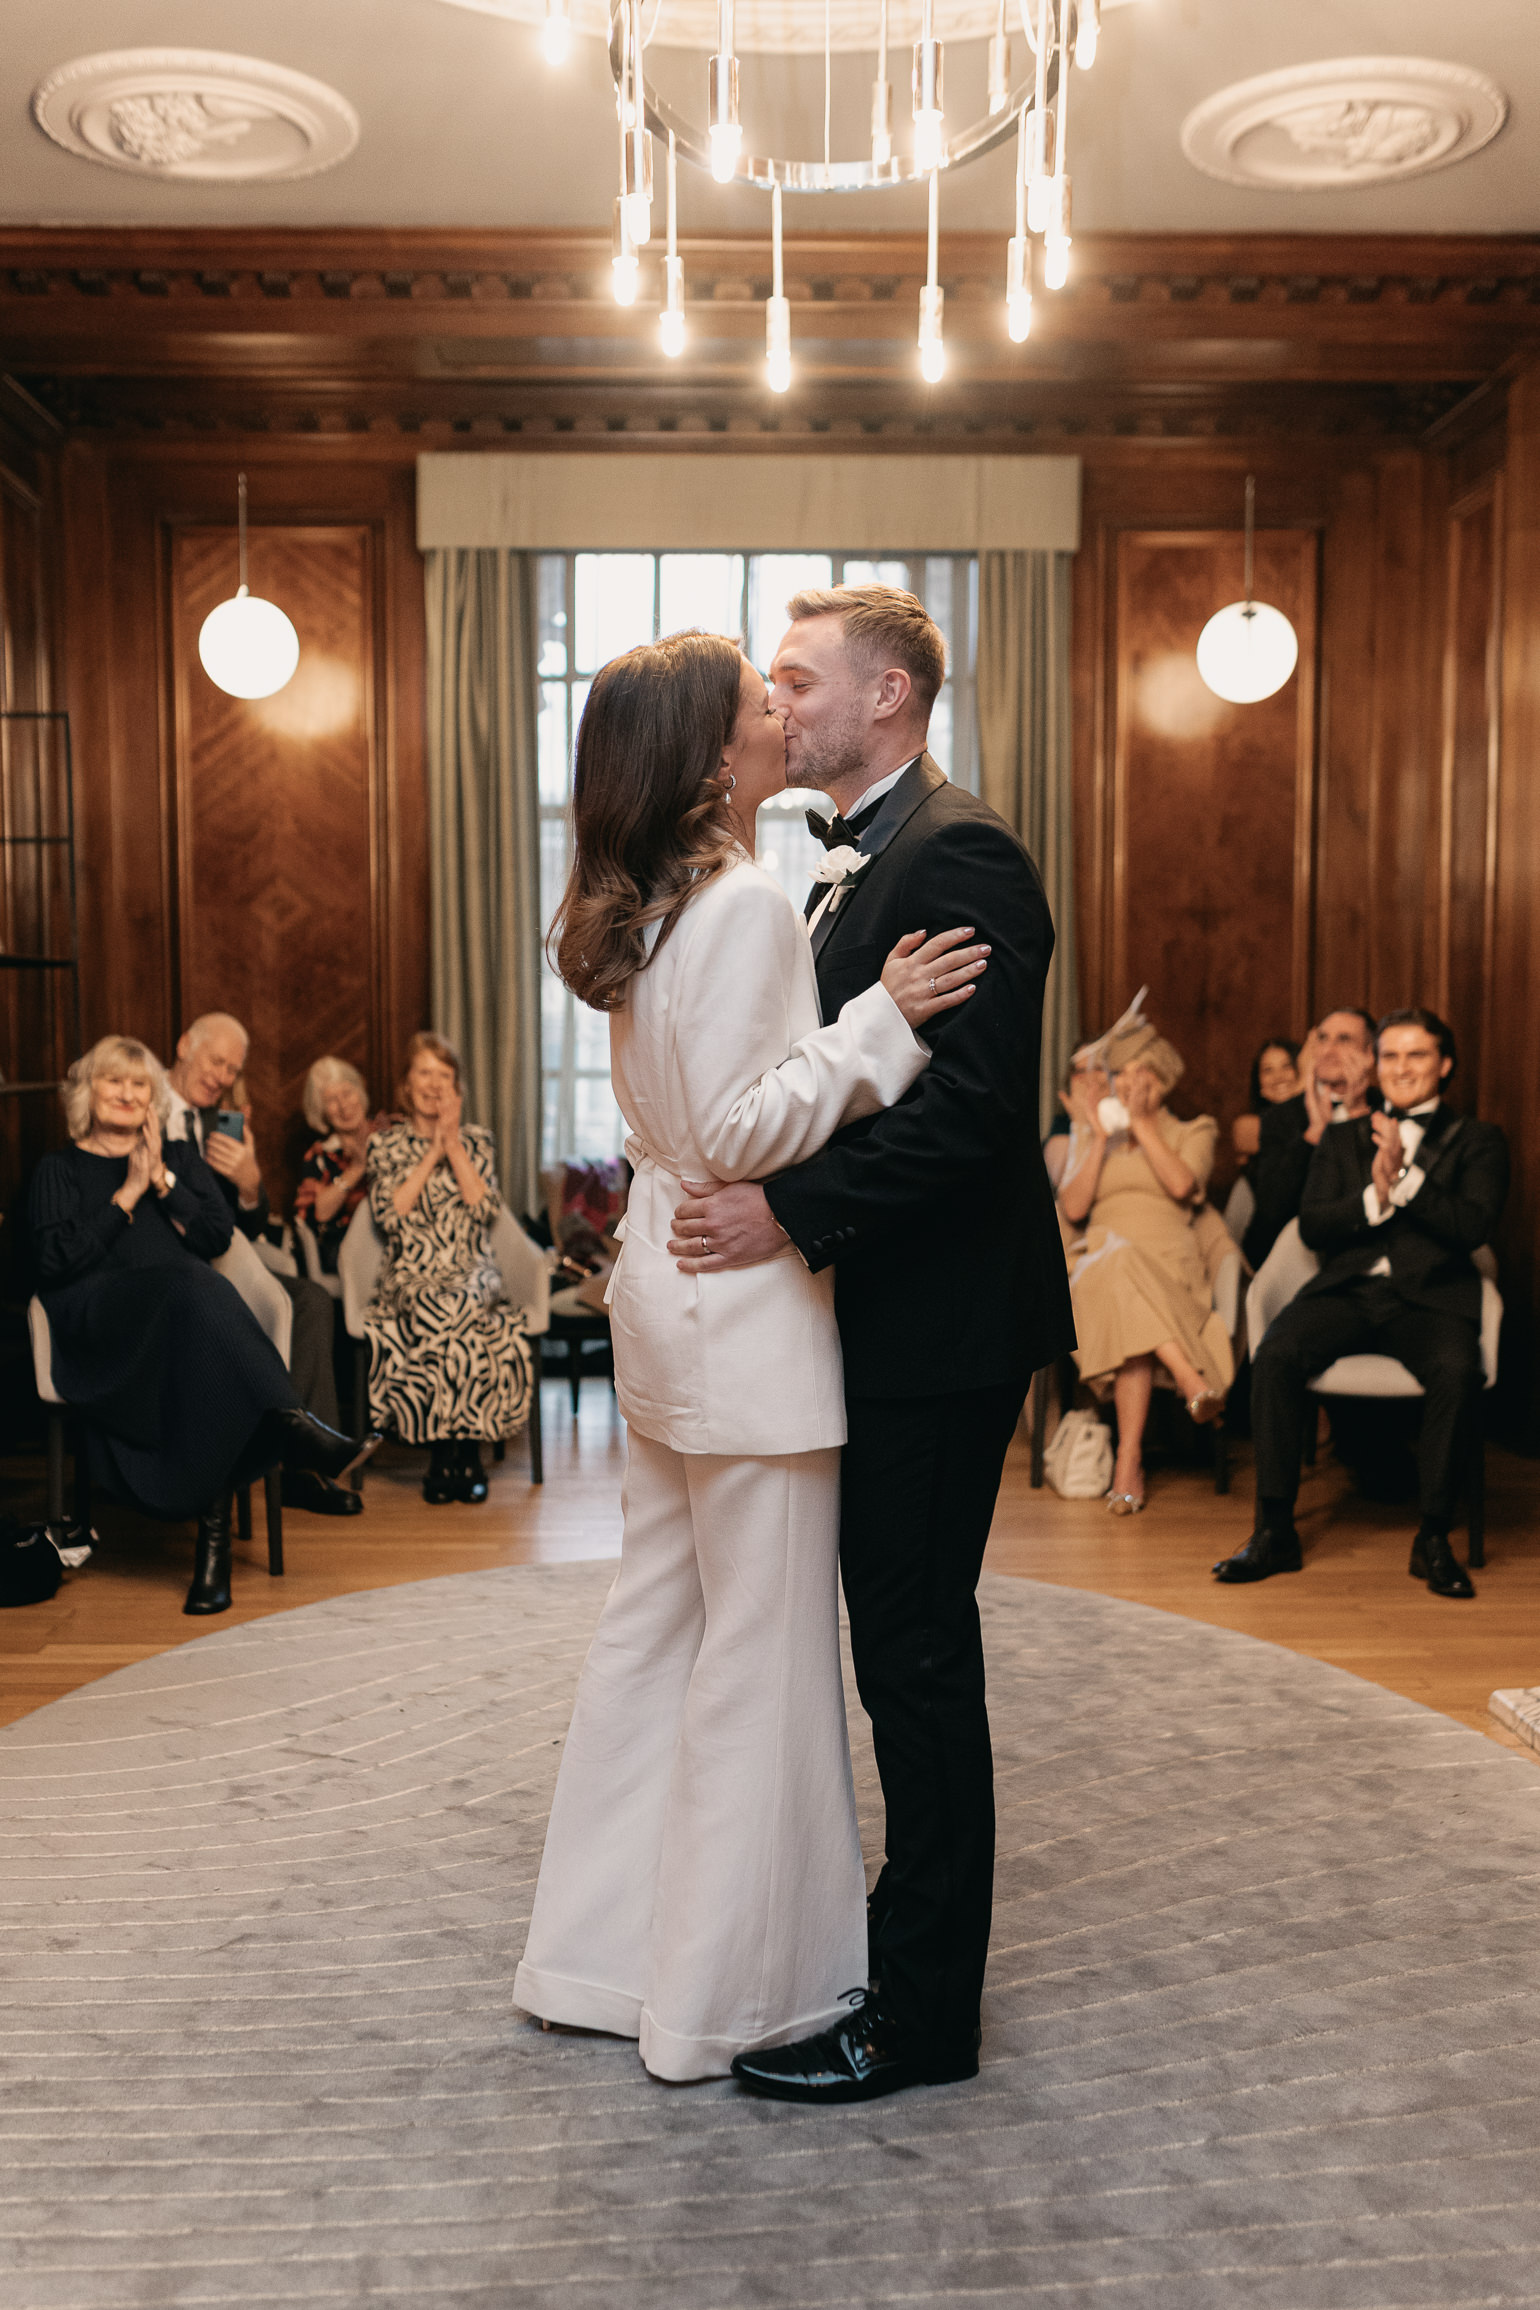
(1263, 2019)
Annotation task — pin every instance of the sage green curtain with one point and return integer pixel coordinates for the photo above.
(484, 844)
(1025, 768)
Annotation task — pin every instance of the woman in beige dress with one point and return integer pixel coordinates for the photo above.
(1139, 1256)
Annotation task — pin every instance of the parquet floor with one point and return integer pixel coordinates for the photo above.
(1353, 1606)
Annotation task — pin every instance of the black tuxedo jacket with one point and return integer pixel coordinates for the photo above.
(938, 1214)
(1279, 1171)
(1429, 1241)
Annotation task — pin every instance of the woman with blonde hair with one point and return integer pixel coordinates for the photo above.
(1141, 1246)
(701, 1889)
(449, 1365)
(333, 1177)
(178, 1387)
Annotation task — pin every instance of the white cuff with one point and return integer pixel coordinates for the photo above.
(1404, 1189)
(1375, 1216)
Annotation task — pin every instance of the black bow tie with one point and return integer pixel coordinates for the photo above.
(835, 831)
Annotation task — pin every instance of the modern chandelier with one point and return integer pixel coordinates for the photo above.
(1034, 112)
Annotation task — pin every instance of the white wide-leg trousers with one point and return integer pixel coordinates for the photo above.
(701, 1888)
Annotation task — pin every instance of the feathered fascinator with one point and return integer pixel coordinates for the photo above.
(1132, 1041)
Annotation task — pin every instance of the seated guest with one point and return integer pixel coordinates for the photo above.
(179, 1389)
(332, 1180)
(209, 1059)
(1395, 1204)
(584, 1205)
(449, 1365)
(1336, 1074)
(1139, 1266)
(1056, 1144)
(1274, 1080)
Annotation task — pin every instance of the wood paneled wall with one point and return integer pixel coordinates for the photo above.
(266, 857)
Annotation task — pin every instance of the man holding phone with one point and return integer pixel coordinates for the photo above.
(209, 1059)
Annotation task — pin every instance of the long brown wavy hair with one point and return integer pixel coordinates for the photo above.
(649, 812)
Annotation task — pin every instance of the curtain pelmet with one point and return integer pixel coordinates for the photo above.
(1025, 766)
(484, 844)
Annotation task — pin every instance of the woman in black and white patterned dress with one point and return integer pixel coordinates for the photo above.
(449, 1365)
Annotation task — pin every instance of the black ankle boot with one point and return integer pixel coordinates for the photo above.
(470, 1475)
(300, 1440)
(439, 1483)
(210, 1590)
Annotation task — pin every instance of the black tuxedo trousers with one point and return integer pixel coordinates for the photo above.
(917, 1493)
(1367, 1317)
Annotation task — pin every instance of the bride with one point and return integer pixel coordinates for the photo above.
(702, 1888)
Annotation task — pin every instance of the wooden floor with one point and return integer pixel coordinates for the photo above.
(1353, 1605)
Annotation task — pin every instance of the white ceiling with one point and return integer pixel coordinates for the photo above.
(465, 125)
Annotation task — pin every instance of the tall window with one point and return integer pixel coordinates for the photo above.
(593, 606)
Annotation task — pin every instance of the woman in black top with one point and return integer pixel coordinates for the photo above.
(180, 1389)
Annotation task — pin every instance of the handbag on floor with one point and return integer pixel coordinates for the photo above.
(30, 1570)
(1078, 1461)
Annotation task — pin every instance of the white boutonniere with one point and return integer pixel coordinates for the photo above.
(837, 866)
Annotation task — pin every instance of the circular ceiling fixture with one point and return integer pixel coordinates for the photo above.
(1351, 120)
(195, 115)
(765, 27)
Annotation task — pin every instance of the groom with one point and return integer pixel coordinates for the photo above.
(950, 1289)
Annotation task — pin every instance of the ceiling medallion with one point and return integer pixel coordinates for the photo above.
(195, 115)
(1351, 120)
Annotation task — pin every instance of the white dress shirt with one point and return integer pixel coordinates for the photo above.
(1409, 1179)
(883, 786)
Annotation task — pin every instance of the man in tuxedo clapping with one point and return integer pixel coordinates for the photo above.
(1394, 1205)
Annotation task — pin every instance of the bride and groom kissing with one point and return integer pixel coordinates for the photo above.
(840, 1269)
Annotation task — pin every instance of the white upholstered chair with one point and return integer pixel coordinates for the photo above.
(526, 1272)
(274, 1311)
(1284, 1273)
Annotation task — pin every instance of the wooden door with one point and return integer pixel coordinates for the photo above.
(1211, 810)
(276, 817)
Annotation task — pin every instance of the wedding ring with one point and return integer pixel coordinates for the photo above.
(932, 986)
(705, 1244)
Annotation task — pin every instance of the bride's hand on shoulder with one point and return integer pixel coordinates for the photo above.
(927, 975)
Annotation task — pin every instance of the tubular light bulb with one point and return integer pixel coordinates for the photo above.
(726, 138)
(671, 319)
(725, 135)
(1055, 260)
(999, 73)
(1088, 32)
(1018, 289)
(882, 123)
(929, 126)
(625, 269)
(778, 343)
(1040, 157)
(932, 344)
(556, 40)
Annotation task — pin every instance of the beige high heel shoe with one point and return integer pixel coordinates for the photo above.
(1204, 1407)
(1126, 1503)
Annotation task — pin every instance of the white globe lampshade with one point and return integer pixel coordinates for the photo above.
(1246, 652)
(248, 647)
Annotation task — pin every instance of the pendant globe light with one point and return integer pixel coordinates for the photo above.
(1248, 649)
(248, 647)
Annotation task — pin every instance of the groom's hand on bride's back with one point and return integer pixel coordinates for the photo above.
(717, 1227)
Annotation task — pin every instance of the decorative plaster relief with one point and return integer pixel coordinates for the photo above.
(779, 26)
(195, 114)
(1355, 120)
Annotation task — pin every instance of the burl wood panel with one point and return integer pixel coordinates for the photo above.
(275, 812)
(1468, 788)
(1211, 809)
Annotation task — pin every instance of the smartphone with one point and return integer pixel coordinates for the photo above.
(231, 1122)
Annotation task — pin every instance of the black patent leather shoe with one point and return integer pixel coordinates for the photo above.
(438, 1486)
(1266, 1552)
(862, 2057)
(1435, 1561)
(300, 1440)
(470, 1475)
(210, 1590)
(303, 1488)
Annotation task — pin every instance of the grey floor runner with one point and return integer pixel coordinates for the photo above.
(1263, 2016)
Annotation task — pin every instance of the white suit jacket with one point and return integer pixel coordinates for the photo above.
(722, 1071)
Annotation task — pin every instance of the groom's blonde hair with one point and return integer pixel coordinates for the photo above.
(884, 626)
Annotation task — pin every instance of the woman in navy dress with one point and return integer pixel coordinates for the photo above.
(179, 1390)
